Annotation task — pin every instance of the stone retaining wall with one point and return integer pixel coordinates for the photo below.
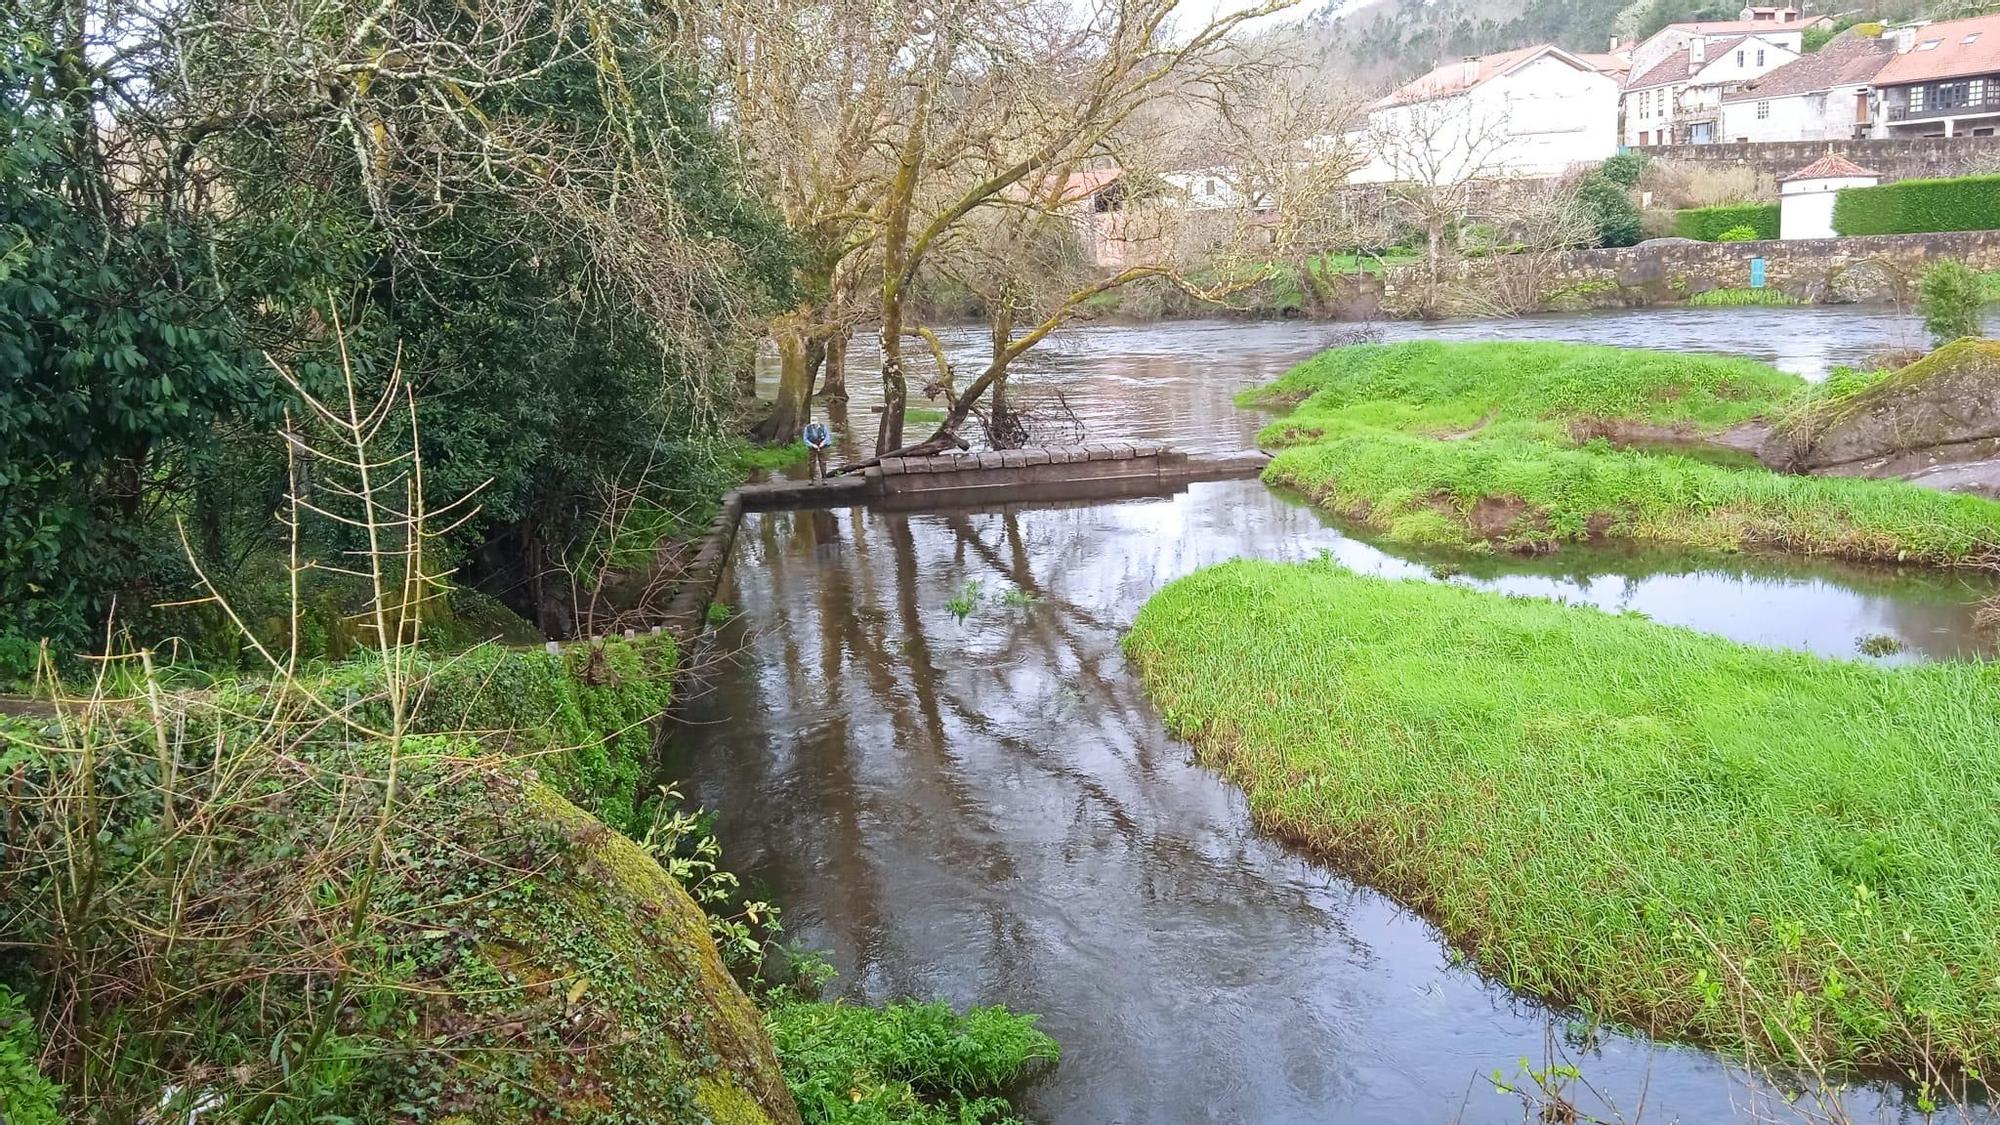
(1897, 158)
(1820, 270)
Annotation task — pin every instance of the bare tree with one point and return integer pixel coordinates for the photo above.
(1439, 156)
(883, 132)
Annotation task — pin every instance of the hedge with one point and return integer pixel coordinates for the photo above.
(1919, 206)
(1708, 223)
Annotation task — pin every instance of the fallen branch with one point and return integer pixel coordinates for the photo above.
(930, 447)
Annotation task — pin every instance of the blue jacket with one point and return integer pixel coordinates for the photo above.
(816, 435)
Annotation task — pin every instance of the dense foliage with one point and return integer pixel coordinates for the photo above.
(567, 294)
(1709, 224)
(1530, 464)
(1607, 203)
(906, 1063)
(1951, 297)
(1919, 206)
(27, 1097)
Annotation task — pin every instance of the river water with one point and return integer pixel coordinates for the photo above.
(989, 810)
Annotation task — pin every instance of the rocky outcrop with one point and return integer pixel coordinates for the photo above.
(1934, 423)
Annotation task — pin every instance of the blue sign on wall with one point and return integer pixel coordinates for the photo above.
(1756, 273)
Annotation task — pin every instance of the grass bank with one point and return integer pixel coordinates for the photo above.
(1489, 444)
(1702, 839)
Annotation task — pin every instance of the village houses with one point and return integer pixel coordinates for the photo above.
(1535, 111)
(1943, 81)
(1824, 96)
(1681, 74)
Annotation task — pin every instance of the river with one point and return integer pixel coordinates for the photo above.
(989, 810)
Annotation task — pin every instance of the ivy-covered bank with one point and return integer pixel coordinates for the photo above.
(258, 897)
(1510, 445)
(1704, 839)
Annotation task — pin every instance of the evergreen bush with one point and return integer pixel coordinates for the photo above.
(1708, 224)
(1919, 206)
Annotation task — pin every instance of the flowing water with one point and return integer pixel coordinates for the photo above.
(989, 810)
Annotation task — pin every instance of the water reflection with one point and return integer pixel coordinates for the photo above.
(1175, 381)
(989, 810)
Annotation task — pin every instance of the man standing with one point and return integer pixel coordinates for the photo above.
(817, 440)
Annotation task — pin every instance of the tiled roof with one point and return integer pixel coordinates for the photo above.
(1958, 48)
(1847, 60)
(1832, 166)
(1610, 64)
(1458, 77)
(1676, 67)
(1744, 27)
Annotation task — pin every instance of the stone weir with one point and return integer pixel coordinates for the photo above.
(1101, 470)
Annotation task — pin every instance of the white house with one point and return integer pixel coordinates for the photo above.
(1677, 98)
(1944, 81)
(1533, 112)
(1785, 27)
(1824, 96)
(1806, 197)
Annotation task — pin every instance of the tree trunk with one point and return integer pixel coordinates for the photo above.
(1003, 429)
(833, 374)
(788, 410)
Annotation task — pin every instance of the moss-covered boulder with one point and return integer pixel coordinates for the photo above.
(1935, 422)
(429, 932)
(558, 973)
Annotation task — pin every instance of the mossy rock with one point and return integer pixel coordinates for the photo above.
(552, 970)
(1941, 411)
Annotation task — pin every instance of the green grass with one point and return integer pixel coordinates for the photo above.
(1470, 444)
(923, 1064)
(1742, 298)
(1710, 841)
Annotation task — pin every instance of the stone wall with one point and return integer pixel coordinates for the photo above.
(1898, 158)
(1818, 270)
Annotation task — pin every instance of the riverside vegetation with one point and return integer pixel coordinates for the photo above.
(1504, 445)
(1786, 854)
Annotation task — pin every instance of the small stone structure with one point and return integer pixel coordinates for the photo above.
(1094, 471)
(1806, 197)
(1897, 158)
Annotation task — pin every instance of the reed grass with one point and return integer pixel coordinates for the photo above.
(1740, 846)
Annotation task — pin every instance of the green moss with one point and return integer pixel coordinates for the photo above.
(1472, 443)
(582, 721)
(1702, 839)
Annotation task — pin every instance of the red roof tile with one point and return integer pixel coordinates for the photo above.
(1832, 166)
(1957, 48)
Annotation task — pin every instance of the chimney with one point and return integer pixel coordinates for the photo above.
(1697, 52)
(1469, 70)
(1906, 38)
(1614, 44)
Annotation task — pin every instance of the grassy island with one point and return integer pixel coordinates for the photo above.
(1706, 840)
(1528, 445)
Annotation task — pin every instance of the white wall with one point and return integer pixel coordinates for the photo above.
(1825, 116)
(1788, 119)
(1704, 90)
(1538, 120)
(1805, 207)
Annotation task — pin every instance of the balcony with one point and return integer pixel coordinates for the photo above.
(1977, 97)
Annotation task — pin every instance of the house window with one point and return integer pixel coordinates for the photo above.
(1760, 57)
(1970, 39)
(1739, 58)
(1929, 44)
(1208, 188)
(1763, 111)
(1976, 92)
(1916, 99)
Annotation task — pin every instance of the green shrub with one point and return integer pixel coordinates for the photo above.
(1624, 169)
(26, 1096)
(1952, 299)
(1612, 212)
(1738, 234)
(922, 1064)
(1709, 223)
(1919, 206)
